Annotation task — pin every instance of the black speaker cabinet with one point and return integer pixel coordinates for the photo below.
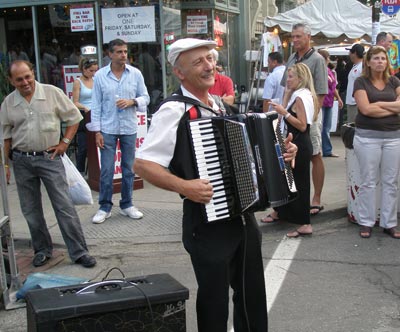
(146, 304)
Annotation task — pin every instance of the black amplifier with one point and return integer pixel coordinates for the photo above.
(146, 304)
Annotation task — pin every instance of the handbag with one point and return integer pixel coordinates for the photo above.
(79, 189)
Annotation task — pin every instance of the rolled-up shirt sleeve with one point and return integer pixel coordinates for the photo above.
(159, 144)
(142, 96)
(4, 120)
(66, 109)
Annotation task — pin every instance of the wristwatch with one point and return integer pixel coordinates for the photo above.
(66, 140)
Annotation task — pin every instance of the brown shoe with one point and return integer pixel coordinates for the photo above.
(393, 232)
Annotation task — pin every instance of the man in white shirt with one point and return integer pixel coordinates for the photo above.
(356, 54)
(118, 93)
(272, 86)
(218, 249)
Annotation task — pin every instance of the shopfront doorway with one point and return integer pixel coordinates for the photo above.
(56, 36)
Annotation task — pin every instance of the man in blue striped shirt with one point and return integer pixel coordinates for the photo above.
(118, 92)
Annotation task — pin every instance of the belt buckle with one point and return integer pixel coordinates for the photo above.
(33, 153)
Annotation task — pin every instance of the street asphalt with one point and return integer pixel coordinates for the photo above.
(153, 245)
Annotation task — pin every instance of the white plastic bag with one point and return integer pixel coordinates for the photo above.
(78, 188)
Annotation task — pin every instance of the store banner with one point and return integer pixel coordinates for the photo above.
(82, 18)
(131, 24)
(70, 74)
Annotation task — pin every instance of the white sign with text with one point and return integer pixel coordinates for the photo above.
(70, 73)
(196, 24)
(82, 18)
(131, 24)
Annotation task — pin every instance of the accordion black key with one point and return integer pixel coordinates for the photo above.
(242, 156)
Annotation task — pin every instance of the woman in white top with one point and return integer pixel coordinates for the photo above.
(299, 111)
(82, 98)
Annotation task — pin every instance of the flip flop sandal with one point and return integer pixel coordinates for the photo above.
(296, 233)
(270, 221)
(365, 232)
(316, 207)
(392, 232)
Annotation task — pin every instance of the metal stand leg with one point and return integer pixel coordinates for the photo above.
(9, 286)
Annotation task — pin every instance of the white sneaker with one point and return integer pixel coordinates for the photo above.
(132, 212)
(101, 217)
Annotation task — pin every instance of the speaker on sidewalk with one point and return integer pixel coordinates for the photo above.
(149, 303)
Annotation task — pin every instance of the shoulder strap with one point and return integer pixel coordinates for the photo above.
(229, 109)
(178, 96)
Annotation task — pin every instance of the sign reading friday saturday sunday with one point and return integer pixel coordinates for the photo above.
(131, 24)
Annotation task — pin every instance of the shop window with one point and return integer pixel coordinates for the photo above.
(66, 33)
(197, 23)
(16, 35)
(182, 23)
(16, 42)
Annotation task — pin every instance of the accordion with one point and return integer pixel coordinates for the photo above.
(242, 157)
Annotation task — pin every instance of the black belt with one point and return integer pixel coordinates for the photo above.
(31, 153)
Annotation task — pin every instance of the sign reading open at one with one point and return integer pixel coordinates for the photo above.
(131, 24)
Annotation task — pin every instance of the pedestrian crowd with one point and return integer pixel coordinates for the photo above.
(371, 96)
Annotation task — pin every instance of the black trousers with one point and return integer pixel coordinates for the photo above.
(226, 254)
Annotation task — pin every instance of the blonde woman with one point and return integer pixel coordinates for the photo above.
(299, 110)
(82, 98)
(377, 141)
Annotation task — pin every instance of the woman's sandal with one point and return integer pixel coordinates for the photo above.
(295, 234)
(393, 232)
(365, 232)
(269, 219)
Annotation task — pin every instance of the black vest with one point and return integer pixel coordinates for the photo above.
(182, 163)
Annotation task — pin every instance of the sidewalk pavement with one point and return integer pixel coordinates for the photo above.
(162, 214)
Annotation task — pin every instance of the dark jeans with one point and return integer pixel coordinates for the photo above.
(82, 151)
(325, 134)
(30, 171)
(128, 146)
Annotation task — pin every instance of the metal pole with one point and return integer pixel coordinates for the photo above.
(6, 231)
(376, 10)
(162, 45)
(98, 34)
(36, 44)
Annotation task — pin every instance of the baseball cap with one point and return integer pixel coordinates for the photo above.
(358, 49)
(186, 44)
